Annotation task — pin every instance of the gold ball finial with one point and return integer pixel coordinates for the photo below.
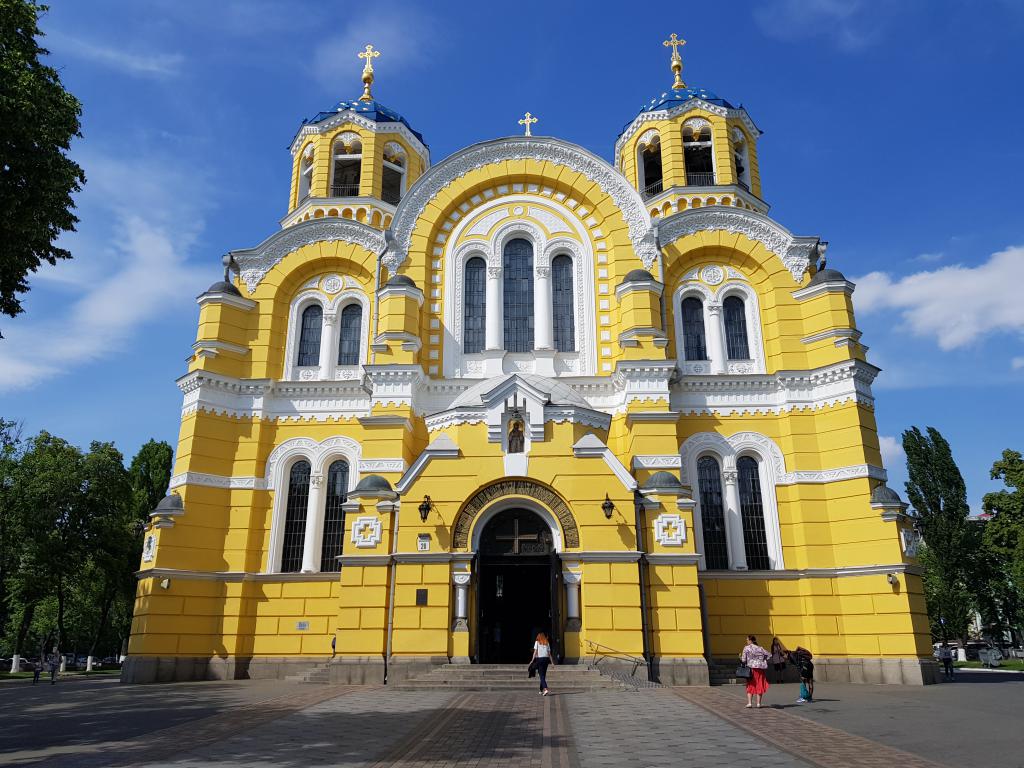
(677, 61)
(369, 54)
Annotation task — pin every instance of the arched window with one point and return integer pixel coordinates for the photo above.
(474, 328)
(309, 336)
(712, 513)
(741, 157)
(295, 517)
(735, 328)
(393, 177)
(697, 153)
(561, 304)
(334, 516)
(351, 330)
(305, 174)
(649, 161)
(755, 538)
(694, 347)
(517, 270)
(348, 161)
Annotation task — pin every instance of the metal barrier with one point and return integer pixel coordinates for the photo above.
(604, 652)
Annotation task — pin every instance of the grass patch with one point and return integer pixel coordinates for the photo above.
(1016, 664)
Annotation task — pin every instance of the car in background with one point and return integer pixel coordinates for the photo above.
(975, 648)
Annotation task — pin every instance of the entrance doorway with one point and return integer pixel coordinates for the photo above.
(517, 588)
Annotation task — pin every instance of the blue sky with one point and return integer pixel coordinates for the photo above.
(892, 130)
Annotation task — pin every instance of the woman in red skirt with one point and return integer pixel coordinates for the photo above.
(755, 657)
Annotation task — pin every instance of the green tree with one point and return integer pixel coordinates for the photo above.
(1004, 539)
(10, 443)
(38, 120)
(938, 494)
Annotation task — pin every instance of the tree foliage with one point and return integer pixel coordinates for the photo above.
(1004, 543)
(38, 120)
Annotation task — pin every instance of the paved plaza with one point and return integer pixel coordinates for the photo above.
(86, 723)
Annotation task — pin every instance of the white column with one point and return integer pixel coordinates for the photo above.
(733, 521)
(543, 332)
(494, 311)
(572, 600)
(716, 339)
(311, 548)
(461, 582)
(328, 348)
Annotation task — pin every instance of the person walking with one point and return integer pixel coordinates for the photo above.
(540, 660)
(778, 659)
(37, 668)
(756, 658)
(54, 662)
(946, 657)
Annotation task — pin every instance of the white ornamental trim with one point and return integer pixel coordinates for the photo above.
(369, 466)
(237, 482)
(255, 263)
(366, 532)
(796, 253)
(670, 530)
(670, 461)
(554, 151)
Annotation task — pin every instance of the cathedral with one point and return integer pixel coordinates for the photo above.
(447, 406)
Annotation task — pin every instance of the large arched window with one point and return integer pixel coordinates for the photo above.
(474, 321)
(694, 346)
(649, 161)
(309, 336)
(697, 153)
(561, 304)
(350, 332)
(334, 516)
(712, 513)
(517, 269)
(393, 175)
(735, 328)
(295, 517)
(755, 537)
(348, 161)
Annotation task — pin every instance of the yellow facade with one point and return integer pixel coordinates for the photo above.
(618, 403)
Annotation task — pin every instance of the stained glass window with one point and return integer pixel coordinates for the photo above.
(334, 516)
(474, 319)
(518, 295)
(561, 304)
(295, 517)
(309, 337)
(693, 329)
(755, 538)
(735, 328)
(351, 329)
(712, 513)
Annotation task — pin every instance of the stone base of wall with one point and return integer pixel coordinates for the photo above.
(905, 671)
(681, 670)
(403, 667)
(176, 669)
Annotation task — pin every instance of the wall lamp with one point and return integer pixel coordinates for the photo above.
(425, 506)
(892, 578)
(607, 506)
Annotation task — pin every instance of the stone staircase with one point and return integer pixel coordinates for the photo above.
(319, 673)
(723, 672)
(507, 677)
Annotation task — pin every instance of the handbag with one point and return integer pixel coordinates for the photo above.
(743, 671)
(532, 669)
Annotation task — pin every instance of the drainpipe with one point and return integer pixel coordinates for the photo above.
(638, 508)
(391, 589)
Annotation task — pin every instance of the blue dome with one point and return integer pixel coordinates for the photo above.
(372, 110)
(673, 98)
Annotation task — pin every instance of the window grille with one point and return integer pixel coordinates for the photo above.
(309, 338)
(693, 329)
(474, 321)
(755, 538)
(351, 330)
(735, 328)
(391, 185)
(712, 514)
(294, 537)
(334, 517)
(561, 304)
(518, 295)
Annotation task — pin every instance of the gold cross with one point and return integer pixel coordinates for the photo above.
(527, 120)
(677, 61)
(369, 54)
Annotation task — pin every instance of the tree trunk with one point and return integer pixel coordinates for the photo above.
(107, 601)
(61, 635)
(26, 621)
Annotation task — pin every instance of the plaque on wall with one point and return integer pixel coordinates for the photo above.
(421, 597)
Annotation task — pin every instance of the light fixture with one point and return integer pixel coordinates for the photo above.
(607, 506)
(425, 506)
(892, 579)
(165, 584)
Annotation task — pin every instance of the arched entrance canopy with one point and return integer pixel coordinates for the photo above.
(503, 494)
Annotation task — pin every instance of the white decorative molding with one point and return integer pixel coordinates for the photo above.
(820, 289)
(554, 151)
(843, 336)
(590, 445)
(486, 223)
(712, 274)
(149, 548)
(441, 447)
(318, 454)
(220, 297)
(366, 532)
(711, 301)
(553, 224)
(237, 482)
(811, 573)
(796, 253)
(255, 263)
(911, 541)
(670, 530)
(332, 284)
(371, 466)
(655, 462)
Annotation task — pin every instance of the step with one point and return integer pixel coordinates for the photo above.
(461, 685)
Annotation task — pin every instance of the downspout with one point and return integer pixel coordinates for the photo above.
(391, 588)
(638, 508)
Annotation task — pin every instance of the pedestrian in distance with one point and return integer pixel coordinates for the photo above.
(756, 658)
(946, 657)
(801, 658)
(334, 646)
(540, 660)
(54, 667)
(778, 659)
(37, 669)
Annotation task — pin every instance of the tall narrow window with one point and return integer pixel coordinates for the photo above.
(393, 177)
(473, 318)
(694, 347)
(649, 160)
(755, 538)
(697, 153)
(712, 514)
(561, 304)
(735, 328)
(334, 517)
(348, 161)
(306, 174)
(518, 288)
(351, 330)
(741, 157)
(309, 336)
(295, 517)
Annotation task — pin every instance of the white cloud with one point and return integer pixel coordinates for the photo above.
(1017, 363)
(892, 451)
(142, 64)
(852, 24)
(929, 258)
(954, 305)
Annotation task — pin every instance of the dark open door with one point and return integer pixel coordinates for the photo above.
(555, 613)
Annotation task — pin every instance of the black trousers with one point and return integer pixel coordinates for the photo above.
(542, 672)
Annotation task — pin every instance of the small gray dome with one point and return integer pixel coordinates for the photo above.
(827, 276)
(663, 479)
(169, 504)
(883, 494)
(373, 484)
(222, 286)
(401, 280)
(637, 275)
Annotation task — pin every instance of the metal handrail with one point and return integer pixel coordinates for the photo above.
(606, 652)
(700, 179)
(654, 189)
(345, 190)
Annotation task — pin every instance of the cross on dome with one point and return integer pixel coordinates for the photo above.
(527, 121)
(677, 61)
(369, 54)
